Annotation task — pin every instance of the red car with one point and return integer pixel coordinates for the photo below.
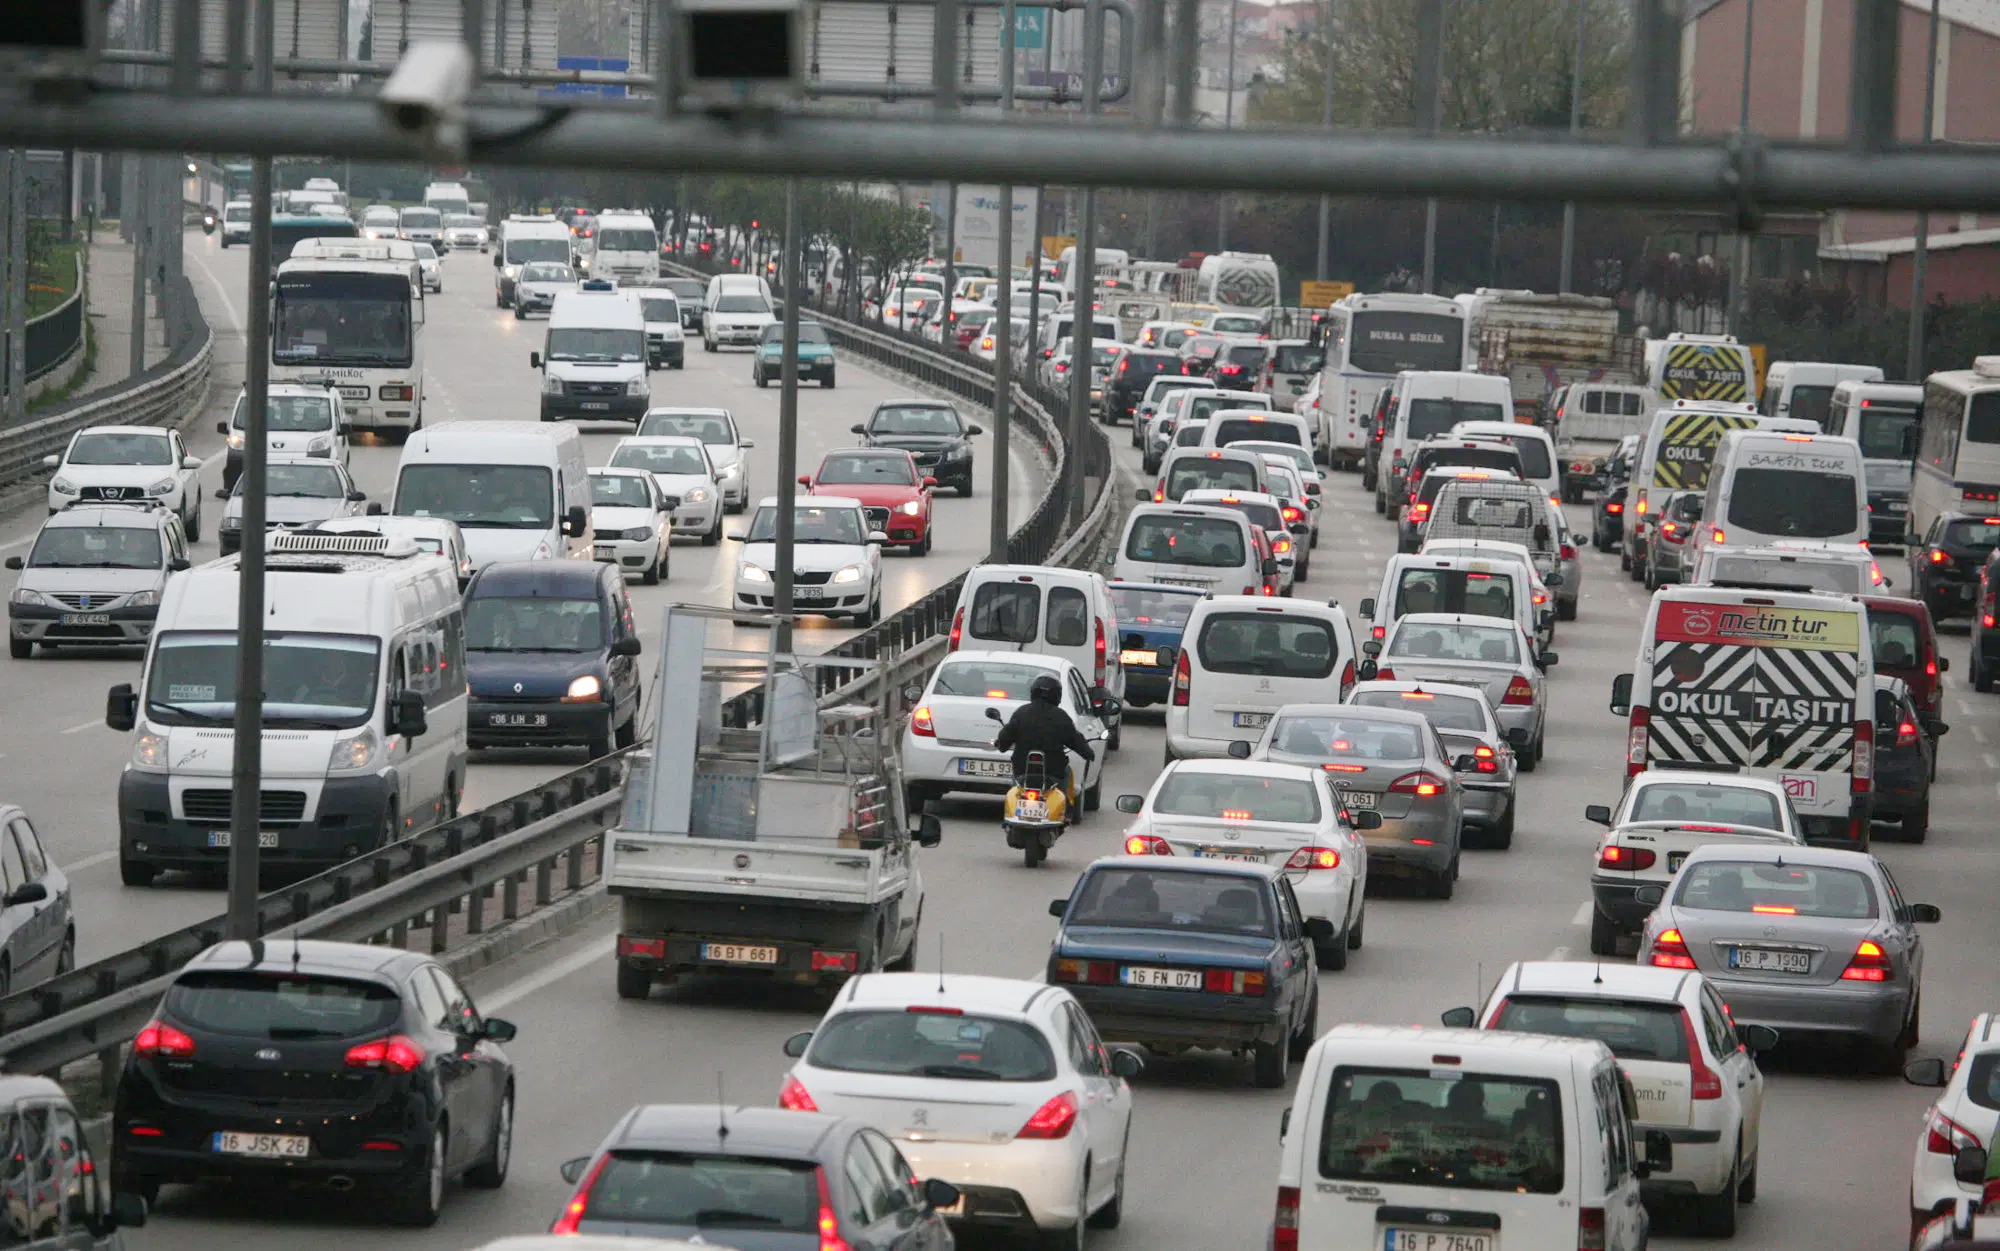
(889, 485)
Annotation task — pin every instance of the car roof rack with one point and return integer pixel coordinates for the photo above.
(149, 503)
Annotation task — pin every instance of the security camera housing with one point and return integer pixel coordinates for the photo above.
(741, 54)
(425, 97)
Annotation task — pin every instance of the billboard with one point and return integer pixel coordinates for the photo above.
(978, 228)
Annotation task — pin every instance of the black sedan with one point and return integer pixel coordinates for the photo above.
(930, 430)
(1945, 568)
(792, 1181)
(272, 1063)
(1179, 954)
(1607, 518)
(1905, 760)
(551, 656)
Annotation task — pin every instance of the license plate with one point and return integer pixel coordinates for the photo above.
(738, 953)
(808, 592)
(263, 1146)
(1765, 960)
(597, 406)
(1252, 720)
(604, 553)
(985, 768)
(1194, 582)
(1359, 801)
(1435, 1240)
(525, 720)
(1031, 810)
(86, 618)
(1224, 853)
(1138, 656)
(1675, 859)
(220, 838)
(1898, 507)
(1160, 979)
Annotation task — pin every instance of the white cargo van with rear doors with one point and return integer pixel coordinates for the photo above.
(1390, 1142)
(1211, 469)
(1766, 486)
(1242, 658)
(1423, 405)
(1038, 608)
(1883, 418)
(1207, 547)
(517, 491)
(1537, 449)
(1255, 425)
(1804, 389)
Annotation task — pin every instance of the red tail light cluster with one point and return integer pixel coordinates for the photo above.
(957, 630)
(1183, 671)
(1232, 982)
(1590, 1229)
(922, 724)
(1314, 858)
(162, 1039)
(1519, 691)
(829, 1220)
(1053, 1119)
(1147, 845)
(1706, 1083)
(1948, 1137)
(1092, 972)
(395, 1054)
(1630, 859)
(1636, 740)
(1670, 951)
(793, 1097)
(1285, 1226)
(1870, 964)
(1421, 782)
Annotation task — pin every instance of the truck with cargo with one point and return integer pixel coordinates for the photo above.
(1542, 342)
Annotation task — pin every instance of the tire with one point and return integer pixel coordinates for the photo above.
(1270, 1063)
(1354, 930)
(1982, 678)
(194, 523)
(633, 982)
(417, 1200)
(650, 576)
(1330, 955)
(627, 734)
(392, 826)
(714, 534)
(1715, 1215)
(1604, 934)
(66, 958)
(1302, 1038)
(1651, 578)
(1444, 882)
(20, 649)
(518, 314)
(757, 377)
(965, 487)
(1565, 610)
(924, 548)
(1093, 798)
(1529, 758)
(1117, 737)
(1746, 1190)
(1033, 854)
(1381, 503)
(491, 1172)
(1916, 825)
(1068, 1238)
(828, 384)
(136, 872)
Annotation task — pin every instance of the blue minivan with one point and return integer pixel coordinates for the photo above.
(551, 656)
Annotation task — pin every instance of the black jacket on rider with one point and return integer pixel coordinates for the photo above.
(1046, 729)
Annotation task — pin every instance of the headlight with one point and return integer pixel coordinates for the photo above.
(509, 270)
(357, 751)
(230, 523)
(637, 386)
(164, 486)
(584, 690)
(910, 508)
(62, 486)
(149, 750)
(958, 451)
(697, 496)
(236, 440)
(750, 573)
(22, 595)
(733, 469)
(639, 534)
(144, 599)
(320, 446)
(850, 574)
(551, 385)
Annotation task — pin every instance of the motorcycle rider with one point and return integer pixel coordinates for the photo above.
(1041, 725)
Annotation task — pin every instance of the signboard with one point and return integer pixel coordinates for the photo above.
(1321, 294)
(1687, 445)
(1759, 357)
(1053, 245)
(611, 64)
(1030, 27)
(1682, 621)
(1706, 371)
(978, 227)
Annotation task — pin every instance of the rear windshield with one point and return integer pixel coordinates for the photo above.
(1010, 612)
(1446, 712)
(1267, 644)
(274, 1005)
(1818, 575)
(1207, 542)
(1793, 503)
(1434, 417)
(1141, 365)
(1706, 802)
(1137, 606)
(1137, 898)
(1491, 512)
(1776, 890)
(1888, 431)
(1263, 516)
(1346, 738)
(1893, 638)
(1977, 534)
(1534, 452)
(1192, 473)
(1489, 457)
(706, 1192)
(1201, 406)
(1237, 429)
(940, 1043)
(1813, 404)
(987, 680)
(1479, 644)
(1633, 1031)
(1295, 359)
(1454, 590)
(1427, 490)
(1431, 1127)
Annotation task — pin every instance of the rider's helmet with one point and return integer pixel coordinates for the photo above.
(1046, 690)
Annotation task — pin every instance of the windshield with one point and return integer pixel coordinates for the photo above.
(1438, 641)
(660, 308)
(1267, 645)
(744, 303)
(620, 489)
(120, 449)
(987, 680)
(1263, 516)
(666, 458)
(1793, 503)
(1349, 738)
(523, 251)
(580, 343)
(236, 213)
(680, 1190)
(334, 318)
(378, 216)
(1294, 358)
(95, 547)
(1444, 1127)
(1230, 430)
(421, 219)
(809, 332)
(292, 414)
(1193, 473)
(626, 239)
(867, 470)
(548, 272)
(424, 251)
(1454, 590)
(1706, 803)
(1775, 890)
(1445, 712)
(1983, 534)
(1227, 797)
(811, 525)
(520, 497)
(1633, 1031)
(686, 289)
(1429, 418)
(915, 419)
(462, 221)
(1388, 343)
(533, 623)
(1135, 898)
(948, 1043)
(1206, 542)
(710, 429)
(1838, 577)
(1231, 323)
(1155, 609)
(1888, 431)
(300, 479)
(1202, 407)
(313, 681)
(282, 1005)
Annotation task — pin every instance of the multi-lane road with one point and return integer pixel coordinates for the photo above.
(1836, 1149)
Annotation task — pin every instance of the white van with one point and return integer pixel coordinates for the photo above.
(1040, 608)
(1245, 425)
(593, 361)
(525, 241)
(1206, 468)
(1804, 389)
(1767, 486)
(736, 310)
(1537, 449)
(364, 708)
(1424, 404)
(628, 248)
(519, 492)
(1884, 418)
(1242, 658)
(1415, 583)
(1384, 1144)
(1208, 547)
(1056, 327)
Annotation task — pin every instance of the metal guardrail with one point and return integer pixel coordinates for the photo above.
(57, 334)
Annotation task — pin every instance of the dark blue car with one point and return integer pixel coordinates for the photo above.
(1177, 954)
(551, 656)
(1151, 615)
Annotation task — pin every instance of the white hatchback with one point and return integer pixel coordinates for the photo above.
(1966, 1114)
(836, 563)
(630, 524)
(1001, 1087)
(948, 743)
(686, 477)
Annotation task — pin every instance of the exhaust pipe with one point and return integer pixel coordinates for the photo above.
(340, 1183)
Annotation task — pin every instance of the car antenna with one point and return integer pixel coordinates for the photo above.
(295, 950)
(940, 964)
(721, 1110)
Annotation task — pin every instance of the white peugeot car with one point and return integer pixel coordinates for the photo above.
(718, 433)
(948, 743)
(836, 563)
(1965, 1114)
(630, 524)
(106, 463)
(685, 476)
(1001, 1087)
(1267, 813)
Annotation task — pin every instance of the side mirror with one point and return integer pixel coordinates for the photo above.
(1164, 657)
(572, 1170)
(1057, 907)
(1553, 580)
(121, 707)
(1319, 929)
(626, 646)
(576, 522)
(1364, 820)
(1937, 728)
(128, 1211)
(940, 1193)
(1106, 705)
(1372, 647)
(1969, 1165)
(1367, 671)
(1598, 814)
(15, 562)
(1143, 495)
(27, 893)
(930, 481)
(1368, 609)
(1923, 914)
(1929, 1071)
(1649, 895)
(805, 480)
(993, 714)
(499, 1031)
(930, 831)
(1130, 803)
(1758, 1038)
(912, 693)
(1547, 660)
(496, 260)
(746, 444)
(1126, 1063)
(190, 462)
(534, 360)
(1270, 568)
(355, 497)
(222, 428)
(374, 510)
(857, 429)
(1458, 1018)
(1621, 694)
(50, 462)
(346, 427)
(179, 563)
(1944, 664)
(795, 1046)
(975, 430)
(1312, 488)
(877, 537)
(1518, 737)
(1239, 750)
(1659, 1154)
(407, 718)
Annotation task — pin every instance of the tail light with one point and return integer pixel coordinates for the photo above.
(1519, 691)
(1671, 532)
(1232, 982)
(1285, 1225)
(1281, 546)
(1670, 951)
(1569, 551)
(1053, 1119)
(1419, 783)
(162, 1039)
(1938, 557)
(1379, 632)
(1870, 964)
(1418, 510)
(1590, 1229)
(1948, 1137)
(957, 629)
(829, 1220)
(1485, 759)
(1314, 858)
(1906, 734)
(395, 1054)
(1100, 651)
(1095, 972)
(572, 1214)
(1627, 859)
(1290, 514)
(1147, 845)
(396, 393)
(1614, 509)
(1715, 535)
(1864, 756)
(1636, 735)
(1706, 1082)
(794, 1097)
(921, 723)
(1182, 673)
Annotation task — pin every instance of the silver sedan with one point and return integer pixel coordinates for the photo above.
(1808, 940)
(1490, 653)
(1480, 751)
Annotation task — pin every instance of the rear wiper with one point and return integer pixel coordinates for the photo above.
(718, 1216)
(301, 1031)
(954, 1070)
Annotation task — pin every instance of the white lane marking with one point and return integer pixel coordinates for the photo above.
(1582, 916)
(1979, 733)
(520, 990)
(1992, 761)
(78, 729)
(89, 862)
(1559, 955)
(221, 292)
(1964, 707)
(21, 542)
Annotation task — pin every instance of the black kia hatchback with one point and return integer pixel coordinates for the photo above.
(273, 1063)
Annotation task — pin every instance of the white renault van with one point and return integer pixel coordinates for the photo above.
(519, 492)
(1767, 486)
(1208, 547)
(1471, 1140)
(737, 309)
(1428, 403)
(1042, 608)
(1804, 389)
(1244, 657)
(594, 361)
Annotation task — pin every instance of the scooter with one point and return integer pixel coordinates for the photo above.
(208, 222)
(1035, 813)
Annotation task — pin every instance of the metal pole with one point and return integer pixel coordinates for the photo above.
(1913, 358)
(17, 286)
(947, 327)
(944, 57)
(1430, 99)
(135, 211)
(1739, 282)
(1003, 315)
(1035, 279)
(1228, 123)
(788, 422)
(1186, 52)
(1326, 120)
(1565, 281)
(1083, 321)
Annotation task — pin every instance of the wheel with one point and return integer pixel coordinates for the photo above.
(965, 487)
(1034, 853)
(499, 301)
(924, 548)
(194, 525)
(1308, 1030)
(633, 982)
(757, 376)
(136, 872)
(1381, 503)
(714, 534)
(1746, 1190)
(1269, 1063)
(1093, 798)
(1565, 610)
(491, 1172)
(651, 575)
(1444, 882)
(599, 743)
(1354, 930)
(66, 958)
(1715, 1215)
(1501, 837)
(20, 649)
(392, 826)
(1117, 737)
(518, 314)
(627, 734)
(706, 346)
(1113, 1211)
(1529, 758)
(1331, 955)
(1070, 1237)
(1651, 578)
(1624, 560)
(419, 1197)
(1917, 825)
(1604, 934)
(1982, 677)
(828, 384)
(907, 962)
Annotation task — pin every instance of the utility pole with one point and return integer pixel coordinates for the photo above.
(788, 424)
(1913, 359)
(1430, 100)
(1083, 319)
(1739, 282)
(1566, 281)
(1228, 123)
(1326, 120)
(1003, 316)
(17, 286)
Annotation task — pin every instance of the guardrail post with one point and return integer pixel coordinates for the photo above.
(544, 871)
(399, 934)
(110, 1065)
(475, 910)
(573, 875)
(510, 896)
(441, 927)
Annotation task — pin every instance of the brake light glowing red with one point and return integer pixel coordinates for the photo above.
(921, 723)
(1314, 858)
(396, 1054)
(1519, 691)
(1053, 1119)
(1870, 964)
(957, 629)
(1182, 672)
(162, 1039)
(1419, 783)
(573, 1210)
(829, 1220)
(1100, 651)
(1670, 951)
(1147, 845)
(1630, 859)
